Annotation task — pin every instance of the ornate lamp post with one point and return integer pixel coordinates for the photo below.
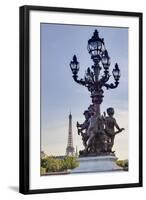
(93, 79)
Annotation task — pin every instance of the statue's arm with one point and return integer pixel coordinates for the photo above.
(80, 125)
(83, 126)
(119, 129)
(116, 125)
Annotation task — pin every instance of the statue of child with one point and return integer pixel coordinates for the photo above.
(110, 124)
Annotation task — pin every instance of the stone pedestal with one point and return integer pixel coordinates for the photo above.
(97, 164)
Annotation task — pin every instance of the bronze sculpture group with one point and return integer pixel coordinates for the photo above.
(98, 132)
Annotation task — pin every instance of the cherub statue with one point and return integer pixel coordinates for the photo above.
(92, 127)
(95, 129)
(82, 128)
(110, 124)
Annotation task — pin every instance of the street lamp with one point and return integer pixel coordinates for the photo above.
(74, 65)
(116, 72)
(93, 79)
(95, 46)
(105, 60)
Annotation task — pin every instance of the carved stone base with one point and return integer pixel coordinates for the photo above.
(97, 164)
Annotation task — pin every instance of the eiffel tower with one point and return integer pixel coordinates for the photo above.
(70, 148)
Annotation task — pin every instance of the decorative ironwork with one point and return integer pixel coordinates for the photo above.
(97, 136)
(93, 79)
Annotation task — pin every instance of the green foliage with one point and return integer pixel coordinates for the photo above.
(53, 164)
(123, 164)
(44, 162)
(43, 170)
(69, 163)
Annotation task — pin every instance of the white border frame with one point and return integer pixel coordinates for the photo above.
(47, 182)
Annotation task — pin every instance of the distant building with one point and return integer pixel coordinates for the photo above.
(70, 149)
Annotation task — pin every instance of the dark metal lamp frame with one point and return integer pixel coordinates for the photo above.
(24, 98)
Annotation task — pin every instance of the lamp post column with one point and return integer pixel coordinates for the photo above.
(97, 93)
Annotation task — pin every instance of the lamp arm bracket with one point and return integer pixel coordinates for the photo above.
(104, 79)
(79, 81)
(111, 85)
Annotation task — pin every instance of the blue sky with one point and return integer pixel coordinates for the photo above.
(60, 94)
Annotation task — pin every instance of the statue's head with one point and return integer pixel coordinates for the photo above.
(91, 109)
(110, 111)
(86, 114)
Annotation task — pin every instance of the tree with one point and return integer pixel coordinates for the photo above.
(53, 164)
(123, 164)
